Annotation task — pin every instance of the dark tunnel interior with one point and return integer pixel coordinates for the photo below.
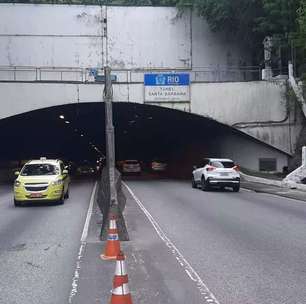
(76, 132)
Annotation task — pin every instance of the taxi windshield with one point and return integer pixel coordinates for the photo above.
(39, 169)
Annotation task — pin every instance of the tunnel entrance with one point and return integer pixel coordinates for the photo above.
(76, 132)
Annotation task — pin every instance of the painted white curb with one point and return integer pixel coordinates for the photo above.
(278, 183)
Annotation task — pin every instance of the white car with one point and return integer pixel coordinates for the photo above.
(218, 172)
(131, 166)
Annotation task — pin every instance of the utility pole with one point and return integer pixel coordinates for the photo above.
(110, 140)
(114, 200)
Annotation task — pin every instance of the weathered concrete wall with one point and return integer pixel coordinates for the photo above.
(148, 37)
(214, 48)
(50, 35)
(247, 153)
(259, 109)
(136, 37)
(241, 101)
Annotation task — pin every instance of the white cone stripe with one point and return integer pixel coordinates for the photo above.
(121, 290)
(120, 268)
(126, 289)
(113, 237)
(112, 224)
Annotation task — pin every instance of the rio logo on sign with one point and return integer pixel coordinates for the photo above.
(167, 87)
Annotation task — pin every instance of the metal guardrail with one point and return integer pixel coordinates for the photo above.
(85, 75)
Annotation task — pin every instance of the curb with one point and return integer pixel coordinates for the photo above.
(271, 182)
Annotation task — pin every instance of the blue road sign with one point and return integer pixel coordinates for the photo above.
(166, 79)
(101, 78)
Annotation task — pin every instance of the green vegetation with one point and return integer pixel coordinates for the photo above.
(250, 21)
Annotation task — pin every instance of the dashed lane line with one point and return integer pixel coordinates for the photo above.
(76, 276)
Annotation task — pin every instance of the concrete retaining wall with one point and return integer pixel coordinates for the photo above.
(122, 37)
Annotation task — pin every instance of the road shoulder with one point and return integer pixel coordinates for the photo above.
(274, 190)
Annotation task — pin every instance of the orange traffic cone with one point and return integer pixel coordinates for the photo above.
(121, 293)
(112, 248)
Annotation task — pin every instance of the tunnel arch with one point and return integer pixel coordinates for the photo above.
(142, 131)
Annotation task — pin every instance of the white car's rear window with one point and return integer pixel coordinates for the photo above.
(223, 164)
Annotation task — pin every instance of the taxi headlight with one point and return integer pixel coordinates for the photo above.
(17, 183)
(57, 182)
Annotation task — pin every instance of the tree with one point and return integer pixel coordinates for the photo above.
(279, 17)
(302, 23)
(249, 21)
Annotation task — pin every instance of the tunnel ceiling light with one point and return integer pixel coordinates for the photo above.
(150, 117)
(67, 121)
(132, 121)
(82, 135)
(62, 116)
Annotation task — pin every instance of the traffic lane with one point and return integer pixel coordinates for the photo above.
(247, 247)
(39, 246)
(6, 189)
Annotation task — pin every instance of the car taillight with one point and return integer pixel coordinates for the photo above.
(210, 168)
(236, 168)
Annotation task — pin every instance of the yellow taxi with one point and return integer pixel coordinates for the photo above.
(43, 180)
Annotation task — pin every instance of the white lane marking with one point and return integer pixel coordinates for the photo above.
(89, 214)
(76, 276)
(277, 195)
(75, 279)
(207, 295)
(295, 200)
(247, 190)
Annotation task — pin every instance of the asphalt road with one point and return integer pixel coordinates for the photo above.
(39, 246)
(247, 247)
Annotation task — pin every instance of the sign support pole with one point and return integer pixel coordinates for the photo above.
(110, 141)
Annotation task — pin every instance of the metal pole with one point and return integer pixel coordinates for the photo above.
(110, 140)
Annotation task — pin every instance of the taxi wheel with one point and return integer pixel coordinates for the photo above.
(236, 188)
(67, 194)
(204, 184)
(16, 203)
(62, 199)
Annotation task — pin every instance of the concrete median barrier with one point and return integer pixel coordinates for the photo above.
(103, 201)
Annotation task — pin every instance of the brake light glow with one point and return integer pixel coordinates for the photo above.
(236, 168)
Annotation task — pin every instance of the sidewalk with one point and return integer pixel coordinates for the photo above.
(158, 274)
(263, 186)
